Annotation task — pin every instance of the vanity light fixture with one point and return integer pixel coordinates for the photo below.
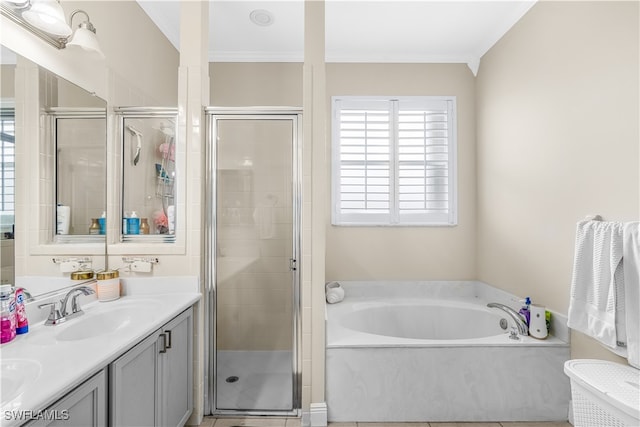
(45, 18)
(85, 35)
(48, 16)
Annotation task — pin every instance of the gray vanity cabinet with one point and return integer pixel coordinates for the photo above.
(176, 379)
(134, 385)
(85, 406)
(151, 384)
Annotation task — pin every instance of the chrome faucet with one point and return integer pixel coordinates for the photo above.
(59, 315)
(75, 306)
(520, 322)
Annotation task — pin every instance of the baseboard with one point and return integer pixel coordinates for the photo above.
(316, 417)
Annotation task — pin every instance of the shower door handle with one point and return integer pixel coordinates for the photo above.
(292, 264)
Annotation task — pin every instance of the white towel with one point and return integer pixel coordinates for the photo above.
(631, 256)
(334, 292)
(592, 306)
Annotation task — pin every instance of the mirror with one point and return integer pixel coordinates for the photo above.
(69, 158)
(140, 68)
(79, 137)
(149, 161)
(7, 167)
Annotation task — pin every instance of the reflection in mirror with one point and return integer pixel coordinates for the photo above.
(75, 131)
(7, 166)
(80, 172)
(148, 175)
(72, 124)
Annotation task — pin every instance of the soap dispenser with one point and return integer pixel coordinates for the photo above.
(8, 314)
(524, 311)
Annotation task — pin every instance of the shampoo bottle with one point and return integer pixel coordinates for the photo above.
(524, 311)
(22, 324)
(133, 224)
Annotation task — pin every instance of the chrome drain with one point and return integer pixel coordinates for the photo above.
(232, 379)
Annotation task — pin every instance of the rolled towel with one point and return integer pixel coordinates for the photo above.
(334, 292)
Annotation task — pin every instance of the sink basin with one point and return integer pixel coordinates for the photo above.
(93, 325)
(16, 376)
(86, 326)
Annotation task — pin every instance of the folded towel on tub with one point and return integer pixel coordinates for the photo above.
(334, 292)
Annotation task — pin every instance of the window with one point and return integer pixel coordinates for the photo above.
(7, 170)
(394, 161)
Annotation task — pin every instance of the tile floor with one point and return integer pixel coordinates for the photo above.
(295, 422)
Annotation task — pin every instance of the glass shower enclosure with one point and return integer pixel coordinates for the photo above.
(253, 238)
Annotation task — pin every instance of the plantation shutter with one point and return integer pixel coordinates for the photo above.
(393, 161)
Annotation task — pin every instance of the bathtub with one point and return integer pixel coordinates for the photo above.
(433, 351)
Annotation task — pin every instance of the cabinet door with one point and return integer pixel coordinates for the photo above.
(177, 370)
(134, 387)
(85, 406)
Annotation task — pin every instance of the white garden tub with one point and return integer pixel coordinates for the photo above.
(433, 351)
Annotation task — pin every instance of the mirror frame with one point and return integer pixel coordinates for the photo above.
(145, 244)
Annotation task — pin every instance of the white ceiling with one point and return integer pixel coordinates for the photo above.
(356, 30)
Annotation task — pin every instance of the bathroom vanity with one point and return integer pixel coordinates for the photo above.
(125, 362)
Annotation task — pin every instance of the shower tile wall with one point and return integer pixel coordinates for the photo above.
(48, 97)
(254, 234)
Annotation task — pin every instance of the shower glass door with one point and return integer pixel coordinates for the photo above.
(256, 279)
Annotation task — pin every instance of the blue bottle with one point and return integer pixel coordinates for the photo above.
(133, 224)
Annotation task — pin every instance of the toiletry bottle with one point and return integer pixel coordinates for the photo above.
(524, 311)
(95, 226)
(63, 219)
(108, 285)
(7, 314)
(81, 276)
(144, 226)
(125, 223)
(133, 224)
(171, 218)
(103, 222)
(22, 324)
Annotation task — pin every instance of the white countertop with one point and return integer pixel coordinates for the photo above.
(65, 364)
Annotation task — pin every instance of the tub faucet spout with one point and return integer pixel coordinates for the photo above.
(521, 324)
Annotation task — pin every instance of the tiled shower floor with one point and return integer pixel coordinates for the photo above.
(264, 380)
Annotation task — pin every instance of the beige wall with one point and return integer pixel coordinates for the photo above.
(557, 107)
(143, 64)
(245, 84)
(409, 253)
(7, 82)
